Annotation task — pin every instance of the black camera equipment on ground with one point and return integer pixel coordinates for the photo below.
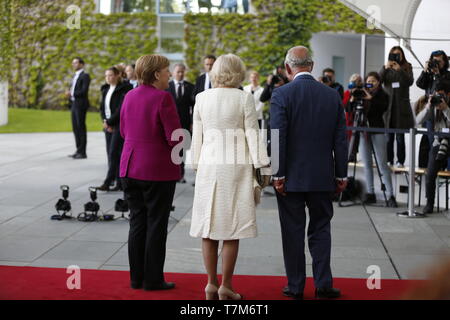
(360, 120)
(63, 205)
(92, 208)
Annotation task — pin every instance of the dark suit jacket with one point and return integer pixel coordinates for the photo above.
(184, 104)
(313, 147)
(80, 92)
(199, 86)
(116, 102)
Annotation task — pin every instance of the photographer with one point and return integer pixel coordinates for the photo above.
(275, 80)
(436, 69)
(397, 77)
(329, 79)
(437, 111)
(368, 103)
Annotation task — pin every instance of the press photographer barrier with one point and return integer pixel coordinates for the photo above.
(411, 213)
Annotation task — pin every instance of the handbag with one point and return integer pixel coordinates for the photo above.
(260, 181)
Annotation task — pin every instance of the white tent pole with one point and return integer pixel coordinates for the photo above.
(363, 55)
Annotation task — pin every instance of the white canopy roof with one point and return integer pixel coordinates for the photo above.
(395, 17)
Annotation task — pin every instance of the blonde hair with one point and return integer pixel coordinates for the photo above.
(148, 65)
(228, 71)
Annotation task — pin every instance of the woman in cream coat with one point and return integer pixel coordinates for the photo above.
(224, 200)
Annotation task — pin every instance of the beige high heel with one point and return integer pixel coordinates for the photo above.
(211, 292)
(227, 294)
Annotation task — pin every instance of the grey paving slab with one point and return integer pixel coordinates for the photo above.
(26, 248)
(120, 258)
(416, 266)
(83, 251)
(36, 165)
(65, 263)
(50, 228)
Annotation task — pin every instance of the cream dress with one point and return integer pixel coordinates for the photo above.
(226, 147)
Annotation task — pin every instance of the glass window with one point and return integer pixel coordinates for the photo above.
(139, 5)
(173, 6)
(171, 34)
(220, 6)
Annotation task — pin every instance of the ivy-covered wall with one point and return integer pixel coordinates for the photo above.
(44, 46)
(263, 39)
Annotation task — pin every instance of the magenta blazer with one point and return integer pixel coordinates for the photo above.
(147, 119)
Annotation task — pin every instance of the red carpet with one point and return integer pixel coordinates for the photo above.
(29, 283)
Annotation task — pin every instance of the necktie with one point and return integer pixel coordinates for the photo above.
(179, 93)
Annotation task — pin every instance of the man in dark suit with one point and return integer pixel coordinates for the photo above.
(312, 157)
(181, 91)
(203, 82)
(79, 104)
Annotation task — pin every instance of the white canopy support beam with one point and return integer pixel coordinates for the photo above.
(393, 17)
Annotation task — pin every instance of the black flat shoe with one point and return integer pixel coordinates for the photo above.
(103, 187)
(295, 296)
(80, 156)
(327, 293)
(162, 286)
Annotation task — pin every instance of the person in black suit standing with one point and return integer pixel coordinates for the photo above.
(113, 93)
(312, 158)
(79, 104)
(181, 91)
(203, 82)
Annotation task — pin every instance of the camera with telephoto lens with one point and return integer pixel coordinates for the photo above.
(442, 154)
(327, 80)
(275, 79)
(358, 93)
(433, 64)
(395, 57)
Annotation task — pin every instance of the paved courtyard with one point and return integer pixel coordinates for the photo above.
(33, 166)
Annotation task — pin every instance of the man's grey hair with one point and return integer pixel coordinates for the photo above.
(181, 65)
(295, 61)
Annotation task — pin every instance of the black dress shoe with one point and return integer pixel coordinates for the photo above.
(80, 156)
(295, 296)
(103, 187)
(136, 285)
(327, 293)
(428, 208)
(161, 286)
(72, 155)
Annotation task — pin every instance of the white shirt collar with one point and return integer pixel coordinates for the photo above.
(79, 71)
(302, 73)
(176, 82)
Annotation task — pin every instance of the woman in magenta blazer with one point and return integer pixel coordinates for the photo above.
(147, 121)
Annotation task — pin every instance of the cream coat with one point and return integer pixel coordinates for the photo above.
(224, 205)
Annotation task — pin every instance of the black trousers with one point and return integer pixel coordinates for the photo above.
(433, 168)
(293, 221)
(401, 155)
(114, 146)
(79, 129)
(150, 203)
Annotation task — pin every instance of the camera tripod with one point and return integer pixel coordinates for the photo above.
(361, 121)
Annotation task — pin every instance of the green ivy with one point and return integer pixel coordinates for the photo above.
(44, 47)
(262, 40)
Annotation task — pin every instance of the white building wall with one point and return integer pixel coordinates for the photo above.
(348, 46)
